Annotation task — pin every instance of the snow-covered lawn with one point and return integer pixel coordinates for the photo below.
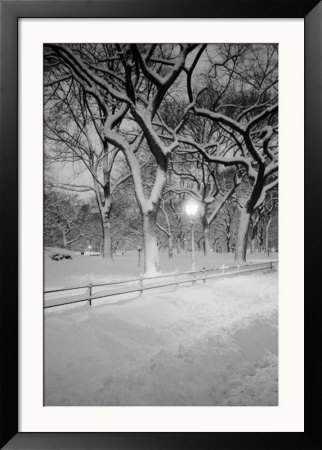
(85, 269)
(211, 344)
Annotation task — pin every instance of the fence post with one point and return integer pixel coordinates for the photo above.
(194, 277)
(223, 268)
(271, 266)
(141, 284)
(90, 294)
(176, 278)
(238, 267)
(204, 274)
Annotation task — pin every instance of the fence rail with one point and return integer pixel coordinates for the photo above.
(59, 299)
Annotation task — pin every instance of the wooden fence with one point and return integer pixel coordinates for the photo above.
(61, 299)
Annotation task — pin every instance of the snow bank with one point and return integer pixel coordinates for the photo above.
(212, 344)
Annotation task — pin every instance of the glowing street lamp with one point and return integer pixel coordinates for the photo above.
(89, 248)
(192, 207)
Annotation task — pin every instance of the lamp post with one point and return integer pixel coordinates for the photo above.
(192, 207)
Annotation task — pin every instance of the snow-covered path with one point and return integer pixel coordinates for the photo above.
(212, 344)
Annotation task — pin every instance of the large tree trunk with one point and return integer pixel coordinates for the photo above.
(65, 244)
(252, 248)
(228, 244)
(170, 247)
(106, 206)
(107, 239)
(106, 227)
(149, 210)
(246, 214)
(260, 240)
(205, 228)
(266, 234)
(178, 245)
(206, 240)
(253, 238)
(215, 245)
(151, 251)
(242, 236)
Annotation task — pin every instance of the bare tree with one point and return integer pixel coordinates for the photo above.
(211, 187)
(73, 135)
(261, 221)
(129, 83)
(63, 220)
(244, 79)
(126, 220)
(226, 223)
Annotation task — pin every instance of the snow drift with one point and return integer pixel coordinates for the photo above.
(212, 344)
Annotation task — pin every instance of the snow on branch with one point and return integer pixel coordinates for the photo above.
(265, 190)
(255, 120)
(218, 117)
(225, 160)
(154, 77)
(71, 187)
(57, 80)
(85, 75)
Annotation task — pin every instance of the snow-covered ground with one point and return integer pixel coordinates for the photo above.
(211, 344)
(93, 269)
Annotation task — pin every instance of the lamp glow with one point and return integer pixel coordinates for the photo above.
(192, 207)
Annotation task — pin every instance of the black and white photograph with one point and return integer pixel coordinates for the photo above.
(160, 224)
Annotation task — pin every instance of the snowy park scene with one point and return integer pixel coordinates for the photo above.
(160, 224)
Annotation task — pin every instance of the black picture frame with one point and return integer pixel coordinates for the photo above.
(11, 11)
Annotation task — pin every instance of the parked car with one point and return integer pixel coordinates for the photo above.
(60, 256)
